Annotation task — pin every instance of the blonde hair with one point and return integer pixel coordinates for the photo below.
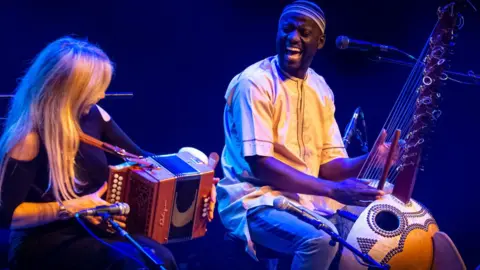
(65, 78)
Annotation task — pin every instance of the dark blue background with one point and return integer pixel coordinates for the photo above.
(179, 56)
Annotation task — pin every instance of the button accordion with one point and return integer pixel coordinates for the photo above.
(167, 199)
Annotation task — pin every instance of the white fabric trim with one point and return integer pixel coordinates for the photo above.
(254, 147)
(106, 117)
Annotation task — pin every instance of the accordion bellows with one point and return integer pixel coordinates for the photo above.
(167, 200)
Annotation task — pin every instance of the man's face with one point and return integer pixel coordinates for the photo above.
(298, 39)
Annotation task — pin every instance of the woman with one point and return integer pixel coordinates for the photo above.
(47, 174)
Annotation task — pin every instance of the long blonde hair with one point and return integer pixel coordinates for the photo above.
(65, 78)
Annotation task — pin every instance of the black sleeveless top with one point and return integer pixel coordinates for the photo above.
(27, 181)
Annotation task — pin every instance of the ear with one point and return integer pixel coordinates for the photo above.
(321, 41)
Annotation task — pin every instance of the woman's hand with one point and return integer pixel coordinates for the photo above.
(91, 201)
(212, 162)
(212, 199)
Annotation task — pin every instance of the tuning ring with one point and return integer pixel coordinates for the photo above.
(427, 80)
(441, 61)
(443, 76)
(427, 100)
(438, 52)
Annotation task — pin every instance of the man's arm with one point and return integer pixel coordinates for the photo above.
(272, 172)
(342, 168)
(253, 113)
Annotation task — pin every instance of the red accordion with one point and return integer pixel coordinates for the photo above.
(167, 194)
(166, 199)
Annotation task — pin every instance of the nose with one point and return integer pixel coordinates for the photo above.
(294, 37)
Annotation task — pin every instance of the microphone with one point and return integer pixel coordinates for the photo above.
(352, 125)
(117, 209)
(344, 42)
(282, 204)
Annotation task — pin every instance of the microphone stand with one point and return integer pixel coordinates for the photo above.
(153, 262)
(353, 129)
(350, 129)
(336, 238)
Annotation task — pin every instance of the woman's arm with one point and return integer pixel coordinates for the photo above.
(114, 135)
(29, 215)
(20, 173)
(19, 176)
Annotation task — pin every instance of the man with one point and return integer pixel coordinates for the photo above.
(282, 140)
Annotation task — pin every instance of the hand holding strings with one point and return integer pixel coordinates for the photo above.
(381, 149)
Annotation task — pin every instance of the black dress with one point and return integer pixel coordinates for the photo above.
(66, 244)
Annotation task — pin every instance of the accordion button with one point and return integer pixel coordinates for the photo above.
(112, 201)
(120, 178)
(119, 183)
(114, 186)
(118, 198)
(114, 191)
(115, 175)
(113, 196)
(118, 193)
(204, 214)
(119, 188)
(115, 181)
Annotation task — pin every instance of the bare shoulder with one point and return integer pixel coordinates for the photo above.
(106, 117)
(27, 149)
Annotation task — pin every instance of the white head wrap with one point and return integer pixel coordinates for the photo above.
(309, 9)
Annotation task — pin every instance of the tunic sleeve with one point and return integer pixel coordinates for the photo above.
(253, 116)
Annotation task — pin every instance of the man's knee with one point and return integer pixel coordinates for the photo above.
(321, 244)
(318, 241)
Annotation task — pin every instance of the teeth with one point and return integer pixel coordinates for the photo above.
(294, 49)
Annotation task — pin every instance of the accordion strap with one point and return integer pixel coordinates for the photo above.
(115, 150)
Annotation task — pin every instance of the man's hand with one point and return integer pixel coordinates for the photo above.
(381, 149)
(354, 192)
